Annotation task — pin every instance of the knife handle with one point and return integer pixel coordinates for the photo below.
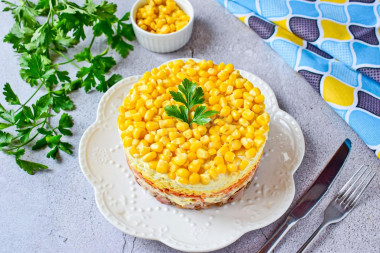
(278, 235)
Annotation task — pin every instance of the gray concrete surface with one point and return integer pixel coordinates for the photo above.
(55, 211)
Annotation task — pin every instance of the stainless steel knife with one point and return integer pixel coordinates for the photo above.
(311, 198)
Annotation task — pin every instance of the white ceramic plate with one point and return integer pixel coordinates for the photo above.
(132, 210)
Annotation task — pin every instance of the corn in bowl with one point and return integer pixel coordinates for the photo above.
(161, 17)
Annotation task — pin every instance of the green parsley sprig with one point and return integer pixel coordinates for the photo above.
(42, 34)
(190, 95)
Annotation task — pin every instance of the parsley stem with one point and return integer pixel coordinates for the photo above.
(92, 42)
(63, 63)
(31, 139)
(188, 117)
(64, 56)
(51, 127)
(27, 101)
(34, 126)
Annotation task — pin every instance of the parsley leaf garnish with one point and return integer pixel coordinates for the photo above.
(10, 96)
(42, 36)
(190, 95)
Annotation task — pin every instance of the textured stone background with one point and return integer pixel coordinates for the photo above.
(55, 211)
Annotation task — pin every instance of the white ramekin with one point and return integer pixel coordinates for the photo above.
(164, 43)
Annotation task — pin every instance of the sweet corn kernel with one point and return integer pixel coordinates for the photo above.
(174, 135)
(248, 114)
(212, 151)
(153, 164)
(183, 180)
(164, 140)
(162, 166)
(139, 124)
(229, 139)
(149, 137)
(255, 91)
(182, 126)
(229, 68)
(184, 173)
(259, 99)
(188, 133)
(202, 154)
(223, 150)
(179, 141)
(221, 169)
(237, 93)
(263, 119)
(217, 108)
(195, 146)
(192, 156)
(250, 153)
(149, 157)
(247, 104)
(237, 103)
(219, 160)
(256, 108)
(194, 166)
(151, 126)
(213, 173)
(138, 133)
(157, 147)
(180, 159)
(258, 141)
(248, 97)
(172, 175)
(194, 178)
(223, 102)
(166, 152)
(246, 142)
(143, 150)
(205, 179)
(235, 115)
(166, 123)
(229, 156)
(186, 145)
(202, 130)
(243, 164)
(262, 130)
(134, 151)
(232, 167)
(171, 146)
(223, 75)
(225, 111)
(236, 134)
(205, 139)
(135, 142)
(196, 134)
(243, 122)
(235, 145)
(127, 142)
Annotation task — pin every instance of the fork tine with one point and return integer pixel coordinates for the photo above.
(362, 187)
(357, 186)
(348, 187)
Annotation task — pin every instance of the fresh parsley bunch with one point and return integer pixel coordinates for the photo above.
(38, 44)
(189, 95)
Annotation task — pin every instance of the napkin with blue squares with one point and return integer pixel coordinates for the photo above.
(334, 44)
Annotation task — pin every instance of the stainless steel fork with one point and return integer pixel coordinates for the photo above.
(345, 201)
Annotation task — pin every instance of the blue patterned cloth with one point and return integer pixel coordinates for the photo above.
(334, 44)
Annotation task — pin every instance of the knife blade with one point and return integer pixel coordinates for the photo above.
(312, 196)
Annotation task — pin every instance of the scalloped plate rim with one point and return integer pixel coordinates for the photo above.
(98, 193)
